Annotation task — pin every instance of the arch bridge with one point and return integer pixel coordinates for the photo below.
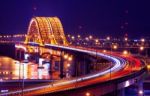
(48, 32)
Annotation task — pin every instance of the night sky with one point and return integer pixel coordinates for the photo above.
(94, 17)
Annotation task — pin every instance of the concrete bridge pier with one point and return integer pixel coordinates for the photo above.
(80, 65)
(75, 66)
(52, 64)
(61, 65)
(19, 54)
(87, 65)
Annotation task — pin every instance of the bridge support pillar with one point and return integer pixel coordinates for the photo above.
(52, 64)
(81, 65)
(74, 68)
(61, 65)
(19, 54)
(36, 57)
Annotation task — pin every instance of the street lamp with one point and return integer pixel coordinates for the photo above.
(141, 48)
(67, 70)
(96, 40)
(115, 47)
(24, 62)
(87, 39)
(65, 56)
(104, 51)
(142, 40)
(125, 52)
(68, 65)
(69, 35)
(140, 92)
(126, 39)
(87, 94)
(108, 38)
(72, 37)
(91, 37)
(78, 36)
(70, 58)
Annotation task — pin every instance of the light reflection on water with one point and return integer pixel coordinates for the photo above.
(11, 69)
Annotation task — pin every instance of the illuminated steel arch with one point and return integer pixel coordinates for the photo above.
(44, 30)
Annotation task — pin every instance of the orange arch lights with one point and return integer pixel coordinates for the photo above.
(44, 30)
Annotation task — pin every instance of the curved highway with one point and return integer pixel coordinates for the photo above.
(120, 66)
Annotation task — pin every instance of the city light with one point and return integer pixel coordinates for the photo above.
(141, 48)
(140, 92)
(125, 52)
(126, 39)
(68, 35)
(87, 39)
(90, 36)
(127, 83)
(65, 56)
(79, 36)
(52, 35)
(108, 38)
(87, 94)
(148, 67)
(96, 40)
(72, 37)
(68, 65)
(70, 58)
(115, 47)
(142, 40)
(104, 51)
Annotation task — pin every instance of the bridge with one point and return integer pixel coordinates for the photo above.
(44, 30)
(46, 36)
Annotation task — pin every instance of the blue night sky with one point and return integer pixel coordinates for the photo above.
(95, 17)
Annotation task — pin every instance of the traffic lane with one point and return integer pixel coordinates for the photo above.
(101, 79)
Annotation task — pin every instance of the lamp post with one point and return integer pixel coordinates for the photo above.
(110, 54)
(23, 63)
(110, 44)
(142, 40)
(115, 47)
(141, 48)
(110, 63)
(125, 52)
(69, 60)
(67, 71)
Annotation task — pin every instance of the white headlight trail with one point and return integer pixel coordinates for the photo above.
(117, 62)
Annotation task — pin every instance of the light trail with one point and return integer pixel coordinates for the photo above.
(118, 64)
